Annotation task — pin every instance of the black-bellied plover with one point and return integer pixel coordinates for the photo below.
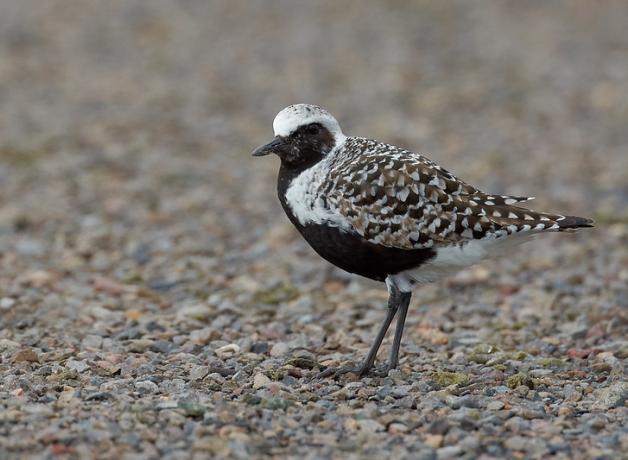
(389, 214)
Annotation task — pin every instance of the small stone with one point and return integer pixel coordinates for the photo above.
(199, 312)
(495, 405)
(445, 379)
(448, 452)
(114, 385)
(26, 355)
(146, 386)
(18, 392)
(516, 443)
(260, 380)
(371, 426)
(30, 248)
(199, 372)
(518, 380)
(162, 346)
(6, 344)
(530, 414)
(517, 424)
(565, 411)
(98, 396)
(78, 366)
(597, 423)
(139, 345)
(226, 351)
(92, 341)
(612, 396)
(172, 386)
(601, 368)
(167, 404)
(6, 303)
(191, 409)
(351, 424)
(108, 367)
(133, 314)
(112, 287)
(551, 362)
(68, 395)
(37, 278)
(578, 354)
(434, 440)
(260, 347)
(204, 336)
(302, 363)
(279, 349)
(397, 428)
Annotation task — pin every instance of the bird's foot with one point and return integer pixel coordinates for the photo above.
(360, 371)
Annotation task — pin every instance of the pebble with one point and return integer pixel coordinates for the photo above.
(199, 372)
(279, 349)
(94, 342)
(610, 397)
(495, 405)
(6, 344)
(397, 428)
(517, 424)
(448, 452)
(198, 312)
(260, 380)
(370, 426)
(226, 351)
(204, 336)
(517, 443)
(434, 440)
(139, 345)
(26, 355)
(146, 386)
(260, 347)
(77, 365)
(6, 303)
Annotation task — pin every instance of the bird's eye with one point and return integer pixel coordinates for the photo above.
(312, 129)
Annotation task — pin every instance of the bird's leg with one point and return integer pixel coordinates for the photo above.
(395, 300)
(404, 302)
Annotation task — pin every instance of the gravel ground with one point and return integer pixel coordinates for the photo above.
(155, 302)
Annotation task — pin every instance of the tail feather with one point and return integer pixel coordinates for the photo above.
(570, 222)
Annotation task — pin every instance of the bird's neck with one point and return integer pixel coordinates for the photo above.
(290, 171)
(287, 173)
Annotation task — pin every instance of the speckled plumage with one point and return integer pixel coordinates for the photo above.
(394, 198)
(390, 214)
(397, 198)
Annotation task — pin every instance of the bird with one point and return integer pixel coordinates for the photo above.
(389, 214)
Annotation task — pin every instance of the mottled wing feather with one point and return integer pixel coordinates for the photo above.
(398, 198)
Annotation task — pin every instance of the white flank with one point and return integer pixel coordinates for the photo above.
(452, 259)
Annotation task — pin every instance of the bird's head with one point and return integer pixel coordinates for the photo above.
(304, 134)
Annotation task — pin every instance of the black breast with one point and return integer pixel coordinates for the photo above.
(350, 251)
(354, 254)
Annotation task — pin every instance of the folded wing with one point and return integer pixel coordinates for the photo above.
(401, 199)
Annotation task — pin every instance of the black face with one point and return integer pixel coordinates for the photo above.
(305, 146)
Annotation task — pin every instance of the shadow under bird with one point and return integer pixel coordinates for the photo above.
(389, 214)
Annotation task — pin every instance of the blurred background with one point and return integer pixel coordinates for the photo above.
(126, 126)
(128, 194)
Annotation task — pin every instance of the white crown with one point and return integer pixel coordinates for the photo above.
(294, 116)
